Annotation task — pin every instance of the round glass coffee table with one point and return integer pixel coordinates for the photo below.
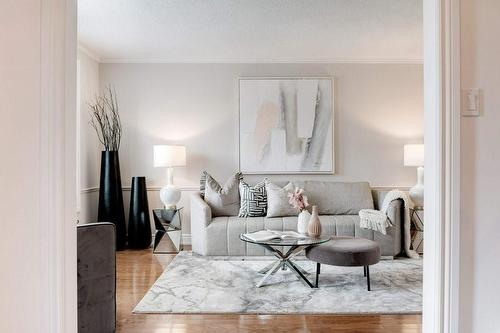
(293, 248)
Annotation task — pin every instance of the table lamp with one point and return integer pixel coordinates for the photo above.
(414, 156)
(166, 156)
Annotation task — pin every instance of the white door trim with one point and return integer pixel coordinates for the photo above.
(442, 144)
(453, 116)
(58, 164)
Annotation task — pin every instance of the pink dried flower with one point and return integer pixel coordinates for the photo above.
(297, 199)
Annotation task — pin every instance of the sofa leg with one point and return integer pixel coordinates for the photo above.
(364, 271)
(318, 269)
(368, 277)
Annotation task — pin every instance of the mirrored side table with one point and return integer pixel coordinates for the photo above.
(168, 236)
(417, 229)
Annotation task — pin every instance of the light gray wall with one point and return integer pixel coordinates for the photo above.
(480, 165)
(378, 108)
(89, 154)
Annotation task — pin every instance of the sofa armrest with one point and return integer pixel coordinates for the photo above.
(395, 209)
(395, 213)
(378, 198)
(201, 214)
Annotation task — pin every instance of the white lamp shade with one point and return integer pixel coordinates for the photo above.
(414, 155)
(169, 156)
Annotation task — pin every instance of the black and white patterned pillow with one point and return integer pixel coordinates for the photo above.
(253, 200)
(203, 181)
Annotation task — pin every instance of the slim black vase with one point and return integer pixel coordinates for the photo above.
(111, 196)
(139, 225)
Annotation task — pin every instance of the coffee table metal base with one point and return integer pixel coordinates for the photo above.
(285, 261)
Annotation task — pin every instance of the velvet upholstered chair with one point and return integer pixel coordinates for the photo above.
(96, 278)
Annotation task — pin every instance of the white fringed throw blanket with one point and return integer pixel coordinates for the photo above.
(377, 219)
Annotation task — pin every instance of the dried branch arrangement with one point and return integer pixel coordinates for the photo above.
(105, 119)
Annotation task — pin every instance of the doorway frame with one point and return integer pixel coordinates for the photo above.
(58, 54)
(442, 187)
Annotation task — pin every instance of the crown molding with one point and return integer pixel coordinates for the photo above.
(91, 54)
(257, 61)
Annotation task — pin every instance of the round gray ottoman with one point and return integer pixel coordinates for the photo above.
(345, 251)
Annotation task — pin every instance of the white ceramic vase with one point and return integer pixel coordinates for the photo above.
(303, 221)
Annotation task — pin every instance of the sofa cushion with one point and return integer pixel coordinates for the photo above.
(338, 198)
(223, 232)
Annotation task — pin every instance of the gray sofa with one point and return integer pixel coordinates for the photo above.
(338, 203)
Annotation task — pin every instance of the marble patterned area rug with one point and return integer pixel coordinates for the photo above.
(196, 284)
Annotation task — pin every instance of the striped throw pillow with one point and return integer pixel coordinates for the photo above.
(253, 200)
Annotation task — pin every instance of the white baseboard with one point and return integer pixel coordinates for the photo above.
(186, 239)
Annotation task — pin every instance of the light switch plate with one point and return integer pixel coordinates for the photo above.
(471, 102)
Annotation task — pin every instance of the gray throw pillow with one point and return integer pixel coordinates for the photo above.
(253, 200)
(277, 200)
(223, 200)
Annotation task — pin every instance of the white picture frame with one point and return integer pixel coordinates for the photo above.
(265, 143)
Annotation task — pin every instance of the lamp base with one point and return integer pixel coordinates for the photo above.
(417, 191)
(170, 196)
(417, 195)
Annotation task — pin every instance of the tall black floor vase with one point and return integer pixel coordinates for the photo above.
(111, 196)
(139, 225)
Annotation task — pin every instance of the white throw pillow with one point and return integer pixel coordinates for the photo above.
(223, 201)
(277, 200)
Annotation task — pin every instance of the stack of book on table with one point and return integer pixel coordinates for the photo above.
(267, 235)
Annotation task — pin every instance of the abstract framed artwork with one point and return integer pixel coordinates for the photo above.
(286, 125)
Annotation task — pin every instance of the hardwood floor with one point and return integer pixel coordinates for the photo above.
(138, 270)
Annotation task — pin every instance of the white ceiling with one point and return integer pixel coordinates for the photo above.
(251, 30)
